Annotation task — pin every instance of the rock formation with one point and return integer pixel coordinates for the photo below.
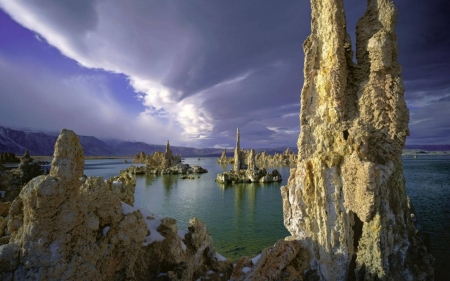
(245, 170)
(8, 157)
(238, 154)
(288, 157)
(124, 186)
(345, 204)
(263, 159)
(163, 163)
(158, 159)
(64, 226)
(224, 159)
(176, 169)
(12, 180)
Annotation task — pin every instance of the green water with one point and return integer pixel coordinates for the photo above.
(243, 218)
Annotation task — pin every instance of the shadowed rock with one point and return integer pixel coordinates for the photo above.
(345, 202)
(64, 226)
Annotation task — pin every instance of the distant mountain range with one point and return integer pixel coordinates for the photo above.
(42, 144)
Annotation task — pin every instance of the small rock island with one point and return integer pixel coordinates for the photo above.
(246, 173)
(163, 163)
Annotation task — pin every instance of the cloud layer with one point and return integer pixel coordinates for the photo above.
(197, 69)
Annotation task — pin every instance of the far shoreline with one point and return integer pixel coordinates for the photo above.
(406, 152)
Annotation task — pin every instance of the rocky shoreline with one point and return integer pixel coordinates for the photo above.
(173, 170)
(345, 203)
(245, 169)
(68, 226)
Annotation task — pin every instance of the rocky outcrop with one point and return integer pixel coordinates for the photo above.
(263, 159)
(124, 186)
(345, 202)
(176, 169)
(66, 226)
(288, 157)
(8, 157)
(239, 162)
(158, 159)
(245, 169)
(163, 163)
(182, 255)
(248, 176)
(224, 159)
(140, 158)
(28, 169)
(12, 180)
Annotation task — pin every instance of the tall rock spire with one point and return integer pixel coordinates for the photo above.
(237, 153)
(346, 200)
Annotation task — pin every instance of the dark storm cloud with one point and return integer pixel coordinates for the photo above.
(212, 66)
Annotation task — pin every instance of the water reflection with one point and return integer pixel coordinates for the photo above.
(169, 181)
(149, 179)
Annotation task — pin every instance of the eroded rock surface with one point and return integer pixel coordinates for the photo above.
(123, 185)
(163, 163)
(57, 225)
(158, 160)
(245, 169)
(348, 192)
(64, 226)
(263, 159)
(345, 202)
(13, 180)
(8, 157)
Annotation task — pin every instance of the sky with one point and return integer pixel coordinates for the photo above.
(193, 71)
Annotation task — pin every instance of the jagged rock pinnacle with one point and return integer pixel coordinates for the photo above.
(68, 158)
(346, 201)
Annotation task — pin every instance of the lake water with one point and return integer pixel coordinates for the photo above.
(245, 218)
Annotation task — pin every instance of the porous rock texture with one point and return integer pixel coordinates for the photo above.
(55, 225)
(64, 226)
(158, 160)
(8, 157)
(245, 170)
(347, 195)
(123, 185)
(13, 180)
(238, 154)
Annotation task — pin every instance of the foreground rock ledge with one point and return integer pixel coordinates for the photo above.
(66, 226)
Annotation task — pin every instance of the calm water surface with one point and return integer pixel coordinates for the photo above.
(245, 218)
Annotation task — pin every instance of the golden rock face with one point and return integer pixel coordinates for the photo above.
(347, 195)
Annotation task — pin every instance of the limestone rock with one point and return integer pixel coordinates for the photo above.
(247, 176)
(68, 158)
(263, 159)
(175, 169)
(346, 199)
(12, 180)
(124, 186)
(224, 159)
(8, 157)
(158, 160)
(181, 255)
(66, 226)
(58, 223)
(238, 154)
(245, 169)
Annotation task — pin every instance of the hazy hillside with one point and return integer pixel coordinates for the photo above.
(43, 143)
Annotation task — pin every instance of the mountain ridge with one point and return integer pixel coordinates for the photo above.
(42, 144)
